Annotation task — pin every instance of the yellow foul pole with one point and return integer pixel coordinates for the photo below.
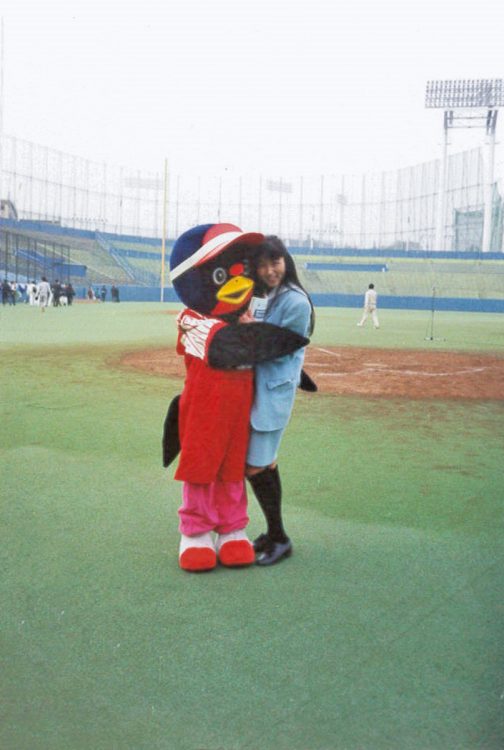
(163, 239)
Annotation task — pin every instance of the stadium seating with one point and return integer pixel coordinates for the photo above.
(334, 276)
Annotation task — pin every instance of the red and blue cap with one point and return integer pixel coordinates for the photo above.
(202, 243)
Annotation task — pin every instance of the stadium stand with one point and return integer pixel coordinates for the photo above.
(404, 279)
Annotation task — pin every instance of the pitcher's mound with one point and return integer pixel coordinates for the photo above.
(373, 372)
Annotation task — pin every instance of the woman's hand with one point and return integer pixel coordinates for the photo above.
(246, 317)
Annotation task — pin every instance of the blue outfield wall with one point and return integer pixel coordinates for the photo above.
(147, 294)
(455, 304)
(132, 293)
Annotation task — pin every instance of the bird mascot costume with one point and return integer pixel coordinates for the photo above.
(209, 422)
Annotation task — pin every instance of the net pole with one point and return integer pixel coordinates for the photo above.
(163, 238)
(441, 201)
(489, 180)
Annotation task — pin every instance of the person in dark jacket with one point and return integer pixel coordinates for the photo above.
(70, 292)
(6, 292)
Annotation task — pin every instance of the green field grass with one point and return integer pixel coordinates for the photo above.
(382, 632)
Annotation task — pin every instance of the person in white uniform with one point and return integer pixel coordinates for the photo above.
(32, 293)
(370, 303)
(43, 293)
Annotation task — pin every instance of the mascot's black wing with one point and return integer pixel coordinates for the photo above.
(231, 347)
(171, 440)
(250, 343)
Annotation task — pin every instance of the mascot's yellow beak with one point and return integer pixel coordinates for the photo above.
(235, 291)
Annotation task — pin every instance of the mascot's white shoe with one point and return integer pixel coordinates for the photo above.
(234, 549)
(197, 553)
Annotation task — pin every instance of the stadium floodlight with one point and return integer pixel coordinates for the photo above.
(482, 92)
(456, 97)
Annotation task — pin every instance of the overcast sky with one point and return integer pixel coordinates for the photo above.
(272, 86)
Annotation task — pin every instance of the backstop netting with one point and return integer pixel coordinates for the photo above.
(395, 209)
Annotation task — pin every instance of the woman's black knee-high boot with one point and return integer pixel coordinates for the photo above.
(268, 490)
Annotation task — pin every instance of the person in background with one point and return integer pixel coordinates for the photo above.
(32, 293)
(287, 305)
(103, 293)
(63, 299)
(43, 293)
(13, 293)
(70, 292)
(56, 291)
(6, 292)
(370, 303)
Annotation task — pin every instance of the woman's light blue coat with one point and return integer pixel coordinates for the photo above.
(276, 381)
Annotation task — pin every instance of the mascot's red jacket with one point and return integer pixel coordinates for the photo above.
(214, 407)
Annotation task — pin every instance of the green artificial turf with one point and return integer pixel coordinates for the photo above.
(383, 631)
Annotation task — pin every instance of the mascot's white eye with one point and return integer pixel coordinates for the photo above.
(219, 276)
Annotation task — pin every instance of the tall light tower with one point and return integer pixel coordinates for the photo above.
(467, 104)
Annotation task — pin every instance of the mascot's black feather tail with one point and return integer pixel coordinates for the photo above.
(171, 439)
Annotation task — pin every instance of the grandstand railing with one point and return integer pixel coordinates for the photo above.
(135, 274)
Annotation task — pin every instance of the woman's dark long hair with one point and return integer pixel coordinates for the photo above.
(272, 248)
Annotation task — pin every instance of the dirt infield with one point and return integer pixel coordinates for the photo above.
(373, 372)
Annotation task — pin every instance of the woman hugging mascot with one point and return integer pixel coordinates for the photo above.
(209, 422)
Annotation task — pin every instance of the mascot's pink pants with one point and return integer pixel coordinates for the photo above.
(217, 506)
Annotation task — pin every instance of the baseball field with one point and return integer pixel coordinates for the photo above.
(382, 632)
